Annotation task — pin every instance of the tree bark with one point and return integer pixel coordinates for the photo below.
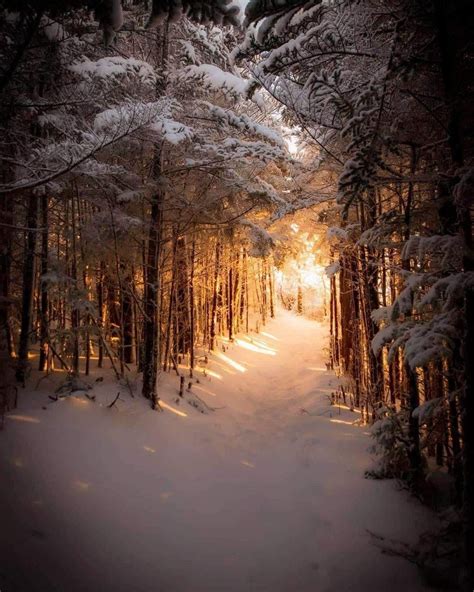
(28, 287)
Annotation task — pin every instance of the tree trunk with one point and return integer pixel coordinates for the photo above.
(28, 287)
(212, 329)
(44, 288)
(151, 329)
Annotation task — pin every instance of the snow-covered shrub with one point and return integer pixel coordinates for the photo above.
(391, 444)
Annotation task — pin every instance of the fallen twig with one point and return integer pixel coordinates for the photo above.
(394, 548)
(114, 401)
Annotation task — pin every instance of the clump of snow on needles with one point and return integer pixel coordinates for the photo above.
(114, 67)
(218, 80)
(172, 131)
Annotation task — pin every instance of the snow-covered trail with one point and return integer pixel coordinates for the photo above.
(265, 494)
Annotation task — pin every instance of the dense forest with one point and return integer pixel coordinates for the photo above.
(165, 164)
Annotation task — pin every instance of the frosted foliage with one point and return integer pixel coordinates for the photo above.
(173, 132)
(239, 149)
(220, 12)
(384, 313)
(422, 343)
(383, 337)
(431, 341)
(447, 248)
(81, 141)
(260, 240)
(245, 123)
(390, 443)
(189, 51)
(120, 119)
(449, 290)
(215, 79)
(114, 67)
(403, 304)
(428, 410)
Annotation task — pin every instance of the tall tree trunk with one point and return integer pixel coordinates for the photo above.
(151, 325)
(192, 308)
(151, 330)
(127, 332)
(28, 287)
(212, 329)
(44, 322)
(75, 314)
(100, 306)
(5, 261)
(230, 299)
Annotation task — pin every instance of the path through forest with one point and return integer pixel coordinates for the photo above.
(265, 494)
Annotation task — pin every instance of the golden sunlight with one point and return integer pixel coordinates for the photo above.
(25, 418)
(341, 421)
(269, 335)
(172, 409)
(231, 362)
(255, 348)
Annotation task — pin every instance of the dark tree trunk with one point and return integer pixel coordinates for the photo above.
(100, 306)
(44, 322)
(5, 261)
(127, 321)
(151, 329)
(28, 287)
(212, 329)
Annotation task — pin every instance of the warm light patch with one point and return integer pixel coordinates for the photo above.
(255, 348)
(222, 366)
(302, 280)
(247, 463)
(347, 407)
(231, 362)
(172, 409)
(213, 374)
(341, 421)
(80, 402)
(269, 335)
(201, 389)
(81, 485)
(257, 341)
(25, 418)
(311, 277)
(149, 449)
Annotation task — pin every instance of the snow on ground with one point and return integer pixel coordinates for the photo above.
(257, 496)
